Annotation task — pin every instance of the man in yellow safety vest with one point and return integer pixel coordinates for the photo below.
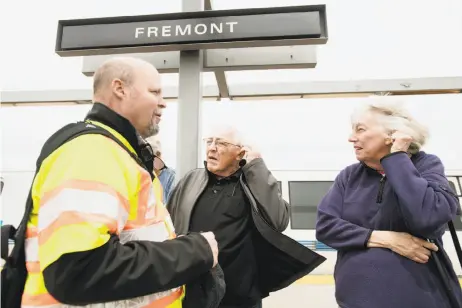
(99, 234)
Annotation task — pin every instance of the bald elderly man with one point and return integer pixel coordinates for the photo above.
(237, 198)
(99, 235)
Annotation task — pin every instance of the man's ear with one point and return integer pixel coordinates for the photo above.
(118, 88)
(241, 154)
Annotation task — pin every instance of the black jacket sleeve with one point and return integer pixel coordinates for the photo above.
(265, 190)
(115, 272)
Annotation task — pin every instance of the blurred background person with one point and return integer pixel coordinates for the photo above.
(380, 212)
(166, 175)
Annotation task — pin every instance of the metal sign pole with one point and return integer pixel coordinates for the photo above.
(189, 103)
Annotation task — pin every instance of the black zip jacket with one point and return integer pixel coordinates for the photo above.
(281, 260)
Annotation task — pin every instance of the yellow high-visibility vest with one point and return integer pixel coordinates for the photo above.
(77, 207)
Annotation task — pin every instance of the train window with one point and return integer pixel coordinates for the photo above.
(456, 184)
(452, 185)
(306, 195)
(280, 186)
(304, 198)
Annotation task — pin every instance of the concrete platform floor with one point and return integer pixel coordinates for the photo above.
(302, 296)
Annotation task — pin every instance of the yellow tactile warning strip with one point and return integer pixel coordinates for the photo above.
(316, 280)
(324, 280)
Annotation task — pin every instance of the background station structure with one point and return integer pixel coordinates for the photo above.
(287, 48)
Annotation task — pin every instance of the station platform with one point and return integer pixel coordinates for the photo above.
(303, 295)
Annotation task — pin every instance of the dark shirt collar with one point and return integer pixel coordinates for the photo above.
(233, 177)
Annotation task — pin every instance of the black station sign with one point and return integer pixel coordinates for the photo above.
(193, 30)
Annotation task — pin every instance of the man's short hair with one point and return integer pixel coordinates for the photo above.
(122, 68)
(224, 128)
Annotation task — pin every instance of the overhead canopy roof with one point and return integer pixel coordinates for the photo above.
(245, 91)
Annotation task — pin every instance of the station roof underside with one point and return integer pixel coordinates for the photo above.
(317, 89)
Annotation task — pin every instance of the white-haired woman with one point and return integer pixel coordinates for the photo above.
(380, 212)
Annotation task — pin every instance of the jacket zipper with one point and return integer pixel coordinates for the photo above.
(381, 188)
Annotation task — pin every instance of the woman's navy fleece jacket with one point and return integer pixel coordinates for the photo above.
(414, 197)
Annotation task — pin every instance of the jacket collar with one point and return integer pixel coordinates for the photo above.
(107, 116)
(413, 157)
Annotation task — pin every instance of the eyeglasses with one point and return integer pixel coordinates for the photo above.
(219, 143)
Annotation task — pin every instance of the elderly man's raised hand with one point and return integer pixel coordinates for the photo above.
(251, 154)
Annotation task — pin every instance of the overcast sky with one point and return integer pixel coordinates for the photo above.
(367, 39)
